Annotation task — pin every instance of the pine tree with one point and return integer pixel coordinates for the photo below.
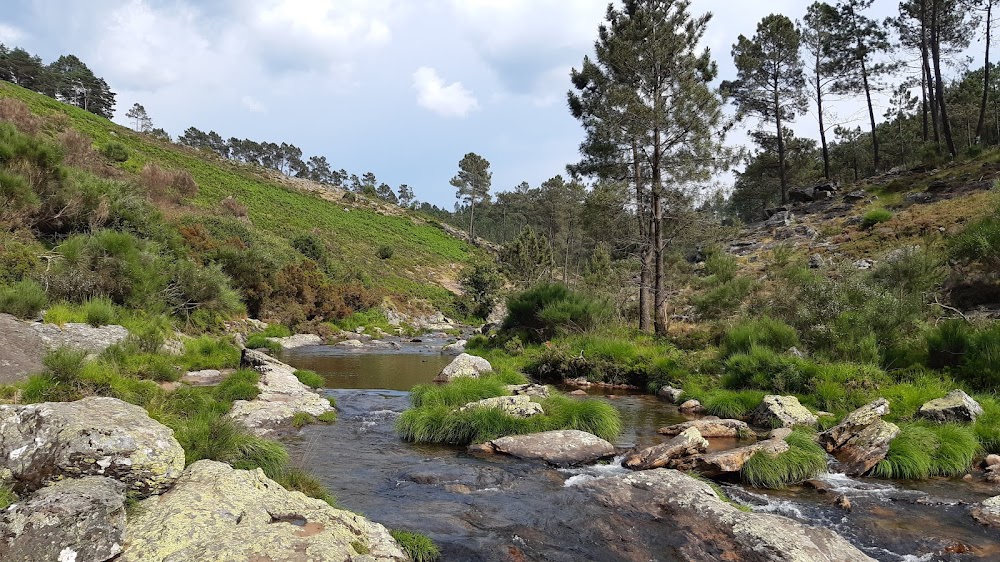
(817, 30)
(473, 185)
(141, 120)
(528, 259)
(770, 83)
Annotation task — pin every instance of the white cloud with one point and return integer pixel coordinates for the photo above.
(253, 105)
(10, 35)
(451, 100)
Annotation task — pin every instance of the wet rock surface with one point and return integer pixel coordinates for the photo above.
(689, 442)
(703, 527)
(713, 465)
(79, 519)
(215, 512)
(94, 436)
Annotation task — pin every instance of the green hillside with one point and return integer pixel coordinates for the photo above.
(425, 260)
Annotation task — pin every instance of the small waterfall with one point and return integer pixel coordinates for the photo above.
(579, 475)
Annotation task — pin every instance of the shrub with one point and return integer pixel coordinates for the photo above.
(979, 241)
(947, 344)
(419, 547)
(19, 114)
(803, 460)
(310, 246)
(724, 298)
(24, 299)
(875, 216)
(385, 252)
(168, 185)
(547, 309)
(115, 151)
(231, 207)
(312, 379)
(765, 332)
(99, 311)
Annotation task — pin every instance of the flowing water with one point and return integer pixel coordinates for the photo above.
(495, 508)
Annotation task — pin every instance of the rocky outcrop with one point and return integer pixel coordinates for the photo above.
(537, 390)
(561, 448)
(96, 436)
(464, 365)
(80, 336)
(987, 511)
(23, 349)
(217, 513)
(670, 393)
(519, 406)
(862, 439)
(687, 443)
(957, 406)
(81, 519)
(281, 396)
(713, 465)
(705, 528)
(709, 428)
(298, 340)
(782, 411)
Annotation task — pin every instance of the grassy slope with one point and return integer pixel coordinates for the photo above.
(425, 257)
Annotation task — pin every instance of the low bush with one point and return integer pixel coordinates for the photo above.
(115, 151)
(24, 299)
(803, 460)
(385, 252)
(921, 451)
(611, 358)
(725, 298)
(875, 216)
(546, 310)
(764, 332)
(99, 311)
(312, 379)
(419, 547)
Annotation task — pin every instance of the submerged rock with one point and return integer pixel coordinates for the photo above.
(782, 411)
(862, 439)
(706, 528)
(519, 406)
(561, 448)
(217, 513)
(79, 519)
(298, 340)
(688, 442)
(95, 436)
(464, 365)
(709, 428)
(957, 406)
(281, 396)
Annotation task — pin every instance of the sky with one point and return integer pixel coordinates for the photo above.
(402, 88)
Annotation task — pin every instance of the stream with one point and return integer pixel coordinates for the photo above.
(496, 508)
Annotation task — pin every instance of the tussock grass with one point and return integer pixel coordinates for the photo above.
(207, 352)
(921, 451)
(764, 332)
(731, 404)
(804, 459)
(302, 419)
(459, 392)
(419, 547)
(7, 497)
(260, 341)
(241, 385)
(312, 379)
(987, 426)
(219, 438)
(300, 480)
(440, 423)
(24, 299)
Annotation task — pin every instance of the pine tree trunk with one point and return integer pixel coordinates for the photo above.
(939, 81)
(645, 254)
(871, 115)
(981, 127)
(822, 127)
(781, 150)
(472, 216)
(659, 285)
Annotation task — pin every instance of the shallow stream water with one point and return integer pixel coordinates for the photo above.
(495, 508)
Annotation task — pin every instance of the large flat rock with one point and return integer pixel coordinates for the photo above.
(217, 513)
(702, 527)
(96, 436)
(281, 396)
(21, 349)
(561, 448)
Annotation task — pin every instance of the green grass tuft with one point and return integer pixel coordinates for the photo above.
(459, 392)
(327, 417)
(208, 352)
(241, 385)
(312, 379)
(24, 299)
(921, 451)
(803, 460)
(301, 481)
(419, 547)
(731, 404)
(7, 497)
(260, 341)
(302, 419)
